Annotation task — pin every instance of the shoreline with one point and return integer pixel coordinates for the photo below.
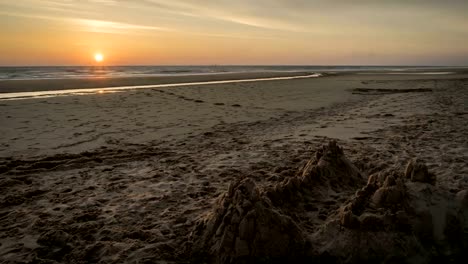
(36, 85)
(16, 86)
(47, 88)
(52, 93)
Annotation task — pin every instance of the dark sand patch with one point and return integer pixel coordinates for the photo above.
(372, 91)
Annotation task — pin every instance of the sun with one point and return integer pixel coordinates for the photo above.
(98, 57)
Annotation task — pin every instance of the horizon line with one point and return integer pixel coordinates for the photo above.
(237, 65)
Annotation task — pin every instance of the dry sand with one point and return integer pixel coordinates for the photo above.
(136, 176)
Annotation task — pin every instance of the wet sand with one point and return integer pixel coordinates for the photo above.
(129, 176)
(15, 86)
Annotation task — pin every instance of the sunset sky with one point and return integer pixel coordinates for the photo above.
(206, 32)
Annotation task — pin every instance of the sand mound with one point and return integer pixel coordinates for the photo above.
(244, 226)
(396, 219)
(329, 170)
(418, 172)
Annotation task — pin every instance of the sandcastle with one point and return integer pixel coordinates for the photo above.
(394, 216)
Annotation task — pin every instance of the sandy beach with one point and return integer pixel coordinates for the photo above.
(152, 175)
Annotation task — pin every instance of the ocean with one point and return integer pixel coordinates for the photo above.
(78, 72)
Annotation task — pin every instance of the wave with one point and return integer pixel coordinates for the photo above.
(71, 72)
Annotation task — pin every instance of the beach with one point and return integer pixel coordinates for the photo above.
(129, 175)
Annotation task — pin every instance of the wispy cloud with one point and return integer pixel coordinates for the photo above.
(211, 10)
(233, 36)
(94, 25)
(102, 26)
(106, 2)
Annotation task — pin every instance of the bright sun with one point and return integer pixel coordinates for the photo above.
(98, 57)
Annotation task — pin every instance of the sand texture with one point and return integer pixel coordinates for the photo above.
(345, 169)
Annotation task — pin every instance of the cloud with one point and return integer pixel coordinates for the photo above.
(228, 12)
(102, 26)
(106, 2)
(93, 25)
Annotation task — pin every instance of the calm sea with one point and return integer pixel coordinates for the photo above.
(64, 72)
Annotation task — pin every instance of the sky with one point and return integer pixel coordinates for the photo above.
(232, 32)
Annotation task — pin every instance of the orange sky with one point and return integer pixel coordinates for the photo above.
(195, 32)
